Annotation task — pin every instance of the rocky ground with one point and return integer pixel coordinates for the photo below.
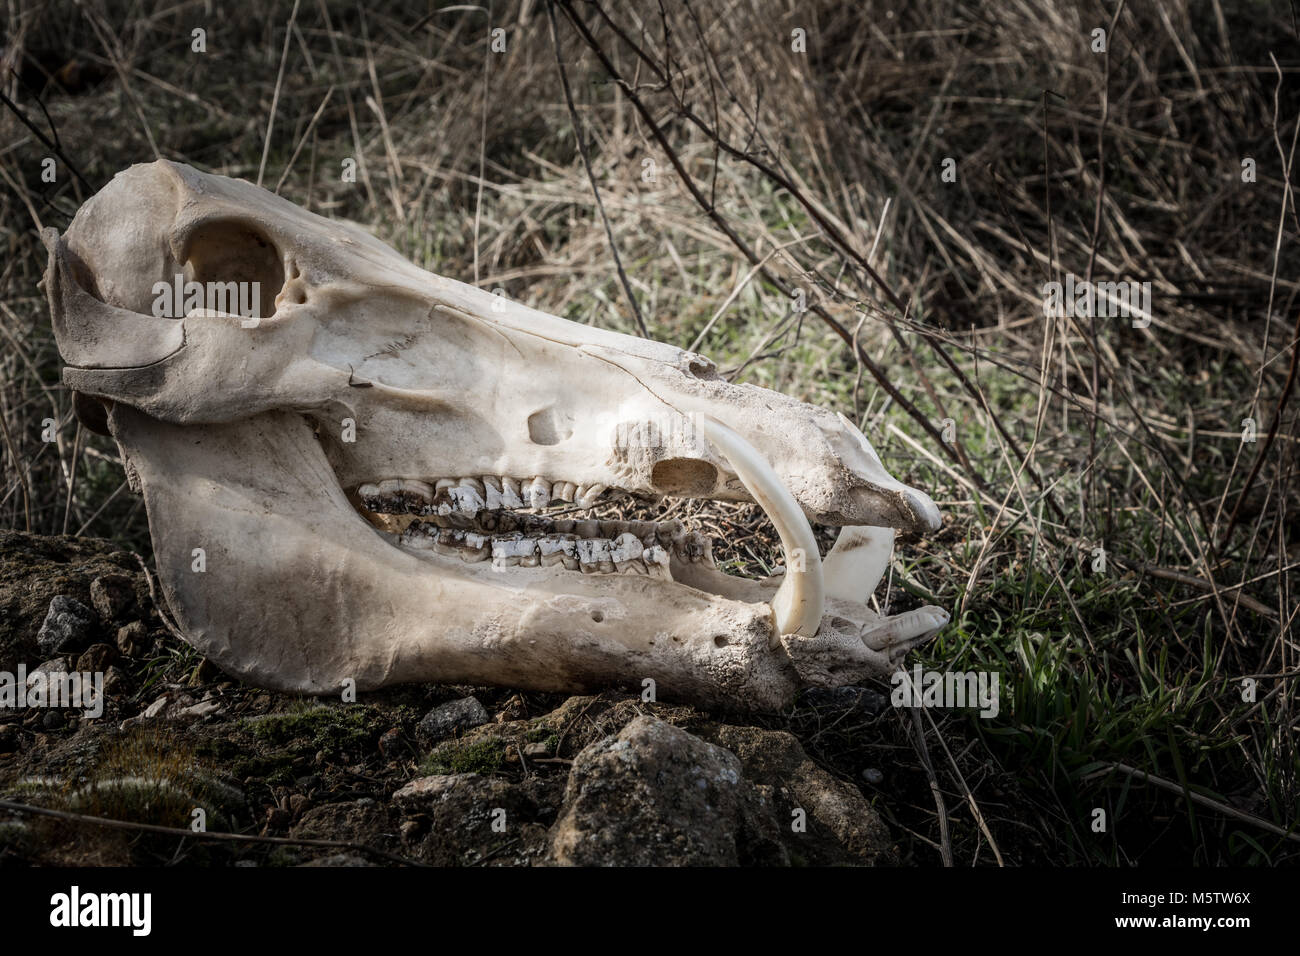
(434, 775)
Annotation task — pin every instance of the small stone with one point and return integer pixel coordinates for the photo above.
(537, 750)
(68, 625)
(52, 720)
(389, 742)
(116, 681)
(872, 776)
(112, 595)
(132, 639)
(96, 659)
(411, 830)
(450, 717)
(278, 818)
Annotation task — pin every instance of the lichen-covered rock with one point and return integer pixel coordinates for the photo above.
(68, 626)
(655, 795)
(464, 818)
(840, 826)
(450, 717)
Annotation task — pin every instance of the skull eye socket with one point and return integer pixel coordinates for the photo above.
(233, 252)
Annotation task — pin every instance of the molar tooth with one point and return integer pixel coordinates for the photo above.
(553, 549)
(564, 490)
(492, 493)
(626, 553)
(442, 484)
(423, 489)
(467, 499)
(538, 493)
(595, 556)
(476, 548)
(473, 483)
(514, 551)
(511, 495)
(657, 563)
(367, 491)
(449, 541)
(390, 486)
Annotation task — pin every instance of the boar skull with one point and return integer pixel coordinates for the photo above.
(353, 486)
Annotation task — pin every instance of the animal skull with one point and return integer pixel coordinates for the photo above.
(347, 488)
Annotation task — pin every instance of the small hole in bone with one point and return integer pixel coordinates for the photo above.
(226, 252)
(684, 477)
(597, 616)
(720, 640)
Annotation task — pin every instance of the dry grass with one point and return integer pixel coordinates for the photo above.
(821, 171)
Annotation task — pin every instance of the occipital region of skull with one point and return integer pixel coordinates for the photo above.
(414, 543)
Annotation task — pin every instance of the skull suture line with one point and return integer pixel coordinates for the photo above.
(469, 411)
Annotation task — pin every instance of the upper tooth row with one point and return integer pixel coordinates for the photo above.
(471, 495)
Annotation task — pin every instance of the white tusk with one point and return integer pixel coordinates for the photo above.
(856, 564)
(800, 599)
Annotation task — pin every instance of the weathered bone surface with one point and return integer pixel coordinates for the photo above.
(365, 465)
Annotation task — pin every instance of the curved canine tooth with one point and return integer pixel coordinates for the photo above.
(538, 493)
(626, 553)
(799, 601)
(511, 495)
(587, 495)
(855, 565)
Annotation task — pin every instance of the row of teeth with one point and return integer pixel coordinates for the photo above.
(470, 495)
(625, 554)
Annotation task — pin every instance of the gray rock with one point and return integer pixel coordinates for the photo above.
(842, 826)
(132, 639)
(112, 595)
(450, 717)
(68, 626)
(655, 795)
(464, 818)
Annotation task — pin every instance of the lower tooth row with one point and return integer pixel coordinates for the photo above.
(624, 554)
